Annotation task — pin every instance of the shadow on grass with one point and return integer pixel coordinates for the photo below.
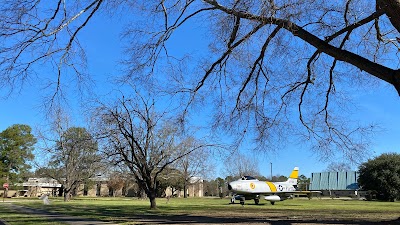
(171, 215)
(8, 216)
(276, 221)
(191, 219)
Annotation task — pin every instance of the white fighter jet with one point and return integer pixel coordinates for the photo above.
(248, 188)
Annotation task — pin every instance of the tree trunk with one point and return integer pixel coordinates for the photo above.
(185, 189)
(152, 197)
(7, 180)
(66, 195)
(142, 194)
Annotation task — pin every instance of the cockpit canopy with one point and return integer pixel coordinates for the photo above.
(248, 178)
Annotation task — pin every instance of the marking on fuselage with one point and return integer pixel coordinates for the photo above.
(252, 185)
(271, 186)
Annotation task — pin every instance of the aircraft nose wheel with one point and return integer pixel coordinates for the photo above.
(256, 201)
(242, 201)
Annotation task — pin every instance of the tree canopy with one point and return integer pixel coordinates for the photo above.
(239, 165)
(74, 159)
(193, 166)
(16, 146)
(382, 176)
(338, 167)
(268, 68)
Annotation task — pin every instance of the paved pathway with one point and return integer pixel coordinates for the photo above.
(73, 220)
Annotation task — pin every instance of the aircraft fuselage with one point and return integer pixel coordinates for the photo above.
(251, 188)
(258, 187)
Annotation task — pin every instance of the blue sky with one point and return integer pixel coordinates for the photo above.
(380, 105)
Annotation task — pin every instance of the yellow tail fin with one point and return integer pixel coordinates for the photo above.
(293, 176)
(295, 173)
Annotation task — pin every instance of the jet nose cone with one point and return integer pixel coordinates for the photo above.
(232, 186)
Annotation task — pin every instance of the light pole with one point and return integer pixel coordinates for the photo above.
(271, 170)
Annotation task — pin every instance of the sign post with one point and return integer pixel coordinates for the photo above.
(5, 186)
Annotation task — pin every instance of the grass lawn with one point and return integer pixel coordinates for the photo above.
(126, 210)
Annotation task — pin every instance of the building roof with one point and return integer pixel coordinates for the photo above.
(41, 182)
(193, 180)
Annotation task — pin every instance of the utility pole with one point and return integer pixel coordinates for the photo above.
(271, 170)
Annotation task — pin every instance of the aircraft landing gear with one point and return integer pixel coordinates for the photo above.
(309, 196)
(272, 203)
(256, 201)
(242, 201)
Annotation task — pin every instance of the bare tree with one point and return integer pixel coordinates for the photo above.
(139, 138)
(115, 183)
(338, 167)
(49, 31)
(271, 62)
(268, 61)
(193, 166)
(73, 156)
(238, 165)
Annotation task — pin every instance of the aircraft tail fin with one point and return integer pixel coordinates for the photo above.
(293, 176)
